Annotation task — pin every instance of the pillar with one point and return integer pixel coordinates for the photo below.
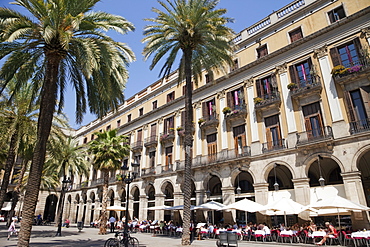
(355, 192)
(198, 131)
(159, 145)
(302, 194)
(366, 33)
(143, 160)
(200, 198)
(159, 201)
(222, 103)
(261, 197)
(253, 125)
(177, 141)
(143, 207)
(228, 197)
(178, 199)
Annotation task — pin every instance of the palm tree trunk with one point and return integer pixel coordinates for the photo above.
(8, 167)
(16, 191)
(47, 108)
(103, 216)
(188, 144)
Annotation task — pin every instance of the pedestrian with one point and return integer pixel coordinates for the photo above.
(12, 229)
(112, 221)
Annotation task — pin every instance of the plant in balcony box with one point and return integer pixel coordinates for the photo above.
(257, 100)
(291, 86)
(226, 110)
(84, 183)
(163, 137)
(201, 121)
(355, 69)
(119, 177)
(339, 70)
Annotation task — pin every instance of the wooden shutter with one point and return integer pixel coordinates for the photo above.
(292, 72)
(308, 126)
(205, 110)
(139, 135)
(268, 138)
(153, 130)
(258, 88)
(229, 98)
(350, 108)
(358, 47)
(335, 57)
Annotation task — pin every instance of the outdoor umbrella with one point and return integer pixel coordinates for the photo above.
(244, 205)
(283, 206)
(336, 203)
(210, 206)
(179, 207)
(116, 208)
(163, 207)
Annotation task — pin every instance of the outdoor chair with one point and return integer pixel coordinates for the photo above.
(222, 239)
(232, 239)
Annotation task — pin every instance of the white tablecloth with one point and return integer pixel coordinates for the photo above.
(318, 234)
(286, 233)
(360, 234)
(259, 232)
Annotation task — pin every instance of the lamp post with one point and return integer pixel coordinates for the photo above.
(65, 185)
(321, 179)
(238, 189)
(276, 185)
(128, 177)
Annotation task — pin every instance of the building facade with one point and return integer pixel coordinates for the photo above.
(294, 108)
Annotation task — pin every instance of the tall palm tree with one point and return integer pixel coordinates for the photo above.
(108, 151)
(66, 158)
(199, 31)
(65, 41)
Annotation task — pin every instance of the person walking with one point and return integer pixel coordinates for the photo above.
(112, 221)
(12, 229)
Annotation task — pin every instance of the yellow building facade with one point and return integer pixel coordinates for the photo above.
(295, 104)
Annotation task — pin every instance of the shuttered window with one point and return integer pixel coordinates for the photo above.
(347, 55)
(300, 72)
(139, 135)
(262, 51)
(313, 120)
(266, 87)
(240, 141)
(212, 147)
(295, 35)
(273, 134)
(153, 129)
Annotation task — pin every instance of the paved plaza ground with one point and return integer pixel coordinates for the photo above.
(44, 236)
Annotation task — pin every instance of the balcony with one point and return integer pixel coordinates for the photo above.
(267, 101)
(273, 145)
(168, 168)
(167, 137)
(210, 121)
(151, 141)
(314, 136)
(305, 88)
(346, 73)
(98, 181)
(238, 112)
(359, 126)
(137, 146)
(148, 172)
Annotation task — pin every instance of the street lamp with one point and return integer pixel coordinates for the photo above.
(238, 189)
(65, 187)
(128, 177)
(321, 179)
(276, 185)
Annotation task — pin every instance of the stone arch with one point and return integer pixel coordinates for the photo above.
(244, 180)
(236, 171)
(92, 196)
(310, 159)
(50, 208)
(77, 198)
(284, 175)
(135, 192)
(111, 197)
(358, 155)
(215, 185)
(164, 184)
(150, 192)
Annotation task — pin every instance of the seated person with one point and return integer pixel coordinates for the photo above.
(66, 223)
(330, 232)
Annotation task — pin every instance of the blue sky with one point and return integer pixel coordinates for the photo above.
(244, 12)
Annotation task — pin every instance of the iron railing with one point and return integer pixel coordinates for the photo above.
(273, 145)
(314, 135)
(97, 181)
(137, 145)
(311, 82)
(151, 141)
(267, 99)
(362, 125)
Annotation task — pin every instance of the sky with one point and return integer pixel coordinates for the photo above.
(244, 12)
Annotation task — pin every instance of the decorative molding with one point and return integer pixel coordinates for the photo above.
(160, 120)
(280, 69)
(221, 94)
(321, 52)
(197, 105)
(249, 82)
(178, 113)
(145, 126)
(365, 32)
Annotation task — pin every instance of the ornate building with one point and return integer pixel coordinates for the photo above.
(281, 109)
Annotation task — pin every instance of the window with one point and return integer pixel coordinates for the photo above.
(336, 14)
(139, 135)
(235, 65)
(267, 87)
(273, 134)
(313, 120)
(153, 129)
(170, 96)
(301, 73)
(152, 159)
(85, 140)
(92, 136)
(129, 118)
(212, 147)
(347, 55)
(141, 111)
(118, 123)
(295, 35)
(209, 110)
(240, 141)
(235, 99)
(108, 127)
(168, 125)
(209, 78)
(168, 158)
(357, 111)
(262, 51)
(154, 104)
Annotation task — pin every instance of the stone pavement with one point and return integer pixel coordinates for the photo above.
(44, 236)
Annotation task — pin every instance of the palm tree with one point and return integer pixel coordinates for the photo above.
(19, 116)
(198, 30)
(66, 159)
(64, 42)
(108, 151)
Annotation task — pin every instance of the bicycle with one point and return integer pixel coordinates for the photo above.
(120, 240)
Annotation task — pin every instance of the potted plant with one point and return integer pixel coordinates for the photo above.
(201, 121)
(119, 177)
(180, 131)
(339, 70)
(257, 100)
(226, 110)
(291, 86)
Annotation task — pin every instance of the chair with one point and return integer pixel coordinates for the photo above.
(335, 237)
(232, 239)
(222, 239)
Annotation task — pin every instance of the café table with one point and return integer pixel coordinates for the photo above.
(361, 237)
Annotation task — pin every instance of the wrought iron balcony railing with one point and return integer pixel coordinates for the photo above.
(273, 145)
(311, 83)
(267, 100)
(137, 145)
(314, 135)
(151, 141)
(362, 125)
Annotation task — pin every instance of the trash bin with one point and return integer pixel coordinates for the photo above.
(80, 225)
